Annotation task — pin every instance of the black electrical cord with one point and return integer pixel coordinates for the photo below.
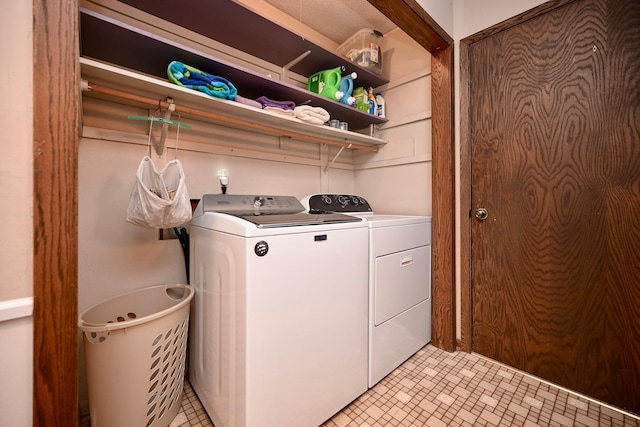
(183, 237)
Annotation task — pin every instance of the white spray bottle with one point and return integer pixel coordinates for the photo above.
(381, 110)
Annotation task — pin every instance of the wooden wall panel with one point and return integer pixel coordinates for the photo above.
(443, 149)
(55, 213)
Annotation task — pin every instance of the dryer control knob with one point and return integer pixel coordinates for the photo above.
(326, 199)
(342, 200)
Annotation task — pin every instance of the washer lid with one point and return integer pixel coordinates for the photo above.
(265, 211)
(298, 219)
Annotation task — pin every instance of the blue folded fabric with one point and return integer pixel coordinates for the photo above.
(192, 78)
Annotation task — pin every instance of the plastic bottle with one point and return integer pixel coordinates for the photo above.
(373, 107)
(346, 86)
(361, 99)
(381, 112)
(327, 83)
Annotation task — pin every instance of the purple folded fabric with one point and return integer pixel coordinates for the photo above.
(285, 105)
(247, 101)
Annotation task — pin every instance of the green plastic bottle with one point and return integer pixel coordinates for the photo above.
(362, 102)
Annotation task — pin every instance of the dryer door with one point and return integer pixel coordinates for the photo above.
(401, 280)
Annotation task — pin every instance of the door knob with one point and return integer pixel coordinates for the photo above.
(481, 214)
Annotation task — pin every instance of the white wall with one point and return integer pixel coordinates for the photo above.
(472, 16)
(16, 183)
(16, 134)
(441, 11)
(16, 367)
(397, 179)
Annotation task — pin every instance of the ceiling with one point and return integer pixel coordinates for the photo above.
(338, 19)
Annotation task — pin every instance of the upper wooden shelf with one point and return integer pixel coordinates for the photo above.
(234, 25)
(108, 40)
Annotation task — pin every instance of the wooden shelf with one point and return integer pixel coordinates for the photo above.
(234, 25)
(255, 120)
(113, 42)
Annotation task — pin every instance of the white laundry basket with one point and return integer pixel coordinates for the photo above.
(135, 349)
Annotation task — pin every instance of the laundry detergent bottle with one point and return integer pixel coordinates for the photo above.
(360, 96)
(346, 86)
(327, 83)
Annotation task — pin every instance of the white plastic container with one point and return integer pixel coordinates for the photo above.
(381, 110)
(365, 49)
(135, 349)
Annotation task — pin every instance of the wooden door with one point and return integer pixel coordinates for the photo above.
(555, 147)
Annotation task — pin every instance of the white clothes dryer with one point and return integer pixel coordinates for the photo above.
(399, 280)
(275, 340)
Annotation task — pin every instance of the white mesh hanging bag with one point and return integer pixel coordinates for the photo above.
(159, 199)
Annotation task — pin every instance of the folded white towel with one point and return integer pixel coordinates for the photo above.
(282, 111)
(309, 114)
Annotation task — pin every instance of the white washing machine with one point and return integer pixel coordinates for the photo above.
(399, 280)
(277, 337)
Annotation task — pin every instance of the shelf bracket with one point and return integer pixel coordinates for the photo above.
(286, 67)
(326, 168)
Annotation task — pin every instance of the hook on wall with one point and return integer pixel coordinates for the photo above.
(166, 121)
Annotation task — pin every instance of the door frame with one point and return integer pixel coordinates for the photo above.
(55, 196)
(56, 125)
(466, 301)
(410, 17)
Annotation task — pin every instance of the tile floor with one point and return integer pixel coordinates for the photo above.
(435, 388)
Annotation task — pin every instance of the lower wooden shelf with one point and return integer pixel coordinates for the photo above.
(106, 80)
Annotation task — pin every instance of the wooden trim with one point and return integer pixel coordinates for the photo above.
(465, 202)
(443, 225)
(410, 17)
(56, 103)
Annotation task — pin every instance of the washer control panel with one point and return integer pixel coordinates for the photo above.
(237, 204)
(343, 203)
